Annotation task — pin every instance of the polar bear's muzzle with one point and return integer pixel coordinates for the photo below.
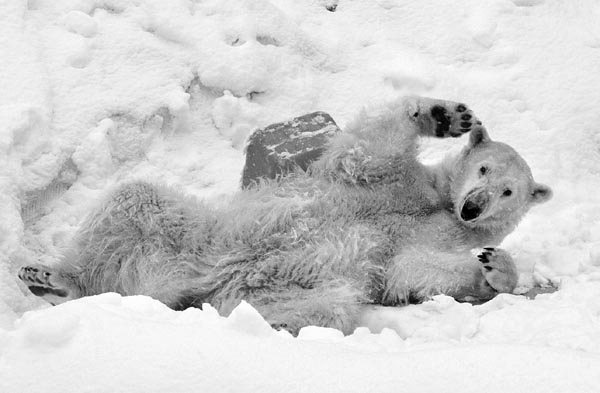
(474, 204)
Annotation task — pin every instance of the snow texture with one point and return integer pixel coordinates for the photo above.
(97, 92)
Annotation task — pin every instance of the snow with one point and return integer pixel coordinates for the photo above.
(137, 344)
(96, 92)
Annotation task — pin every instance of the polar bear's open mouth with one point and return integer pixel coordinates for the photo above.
(474, 205)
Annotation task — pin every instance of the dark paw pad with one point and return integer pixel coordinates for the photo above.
(447, 119)
(440, 115)
(43, 291)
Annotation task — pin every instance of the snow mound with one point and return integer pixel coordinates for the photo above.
(136, 344)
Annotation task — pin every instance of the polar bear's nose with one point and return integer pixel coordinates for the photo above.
(474, 206)
(470, 211)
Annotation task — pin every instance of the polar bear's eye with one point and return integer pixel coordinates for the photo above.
(483, 170)
(507, 193)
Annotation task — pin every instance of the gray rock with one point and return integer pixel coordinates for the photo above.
(280, 148)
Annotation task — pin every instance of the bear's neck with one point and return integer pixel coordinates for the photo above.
(487, 236)
(442, 174)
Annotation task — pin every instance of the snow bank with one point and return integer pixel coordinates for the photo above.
(96, 92)
(137, 344)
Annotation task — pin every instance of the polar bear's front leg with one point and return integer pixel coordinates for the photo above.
(417, 273)
(439, 118)
(381, 145)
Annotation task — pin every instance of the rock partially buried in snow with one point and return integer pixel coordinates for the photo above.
(279, 148)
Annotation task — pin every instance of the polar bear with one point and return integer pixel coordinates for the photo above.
(367, 224)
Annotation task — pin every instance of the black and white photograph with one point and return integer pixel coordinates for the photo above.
(299, 196)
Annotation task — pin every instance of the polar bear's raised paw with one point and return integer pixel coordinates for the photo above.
(498, 269)
(443, 118)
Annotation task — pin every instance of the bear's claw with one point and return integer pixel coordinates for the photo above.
(484, 256)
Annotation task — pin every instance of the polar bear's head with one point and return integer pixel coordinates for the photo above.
(492, 184)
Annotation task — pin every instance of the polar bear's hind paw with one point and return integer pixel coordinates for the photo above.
(42, 282)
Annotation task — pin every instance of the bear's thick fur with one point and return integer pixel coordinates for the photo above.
(368, 224)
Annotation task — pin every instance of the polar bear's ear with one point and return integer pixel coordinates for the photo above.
(541, 193)
(478, 136)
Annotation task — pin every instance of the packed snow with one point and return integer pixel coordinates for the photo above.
(98, 92)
